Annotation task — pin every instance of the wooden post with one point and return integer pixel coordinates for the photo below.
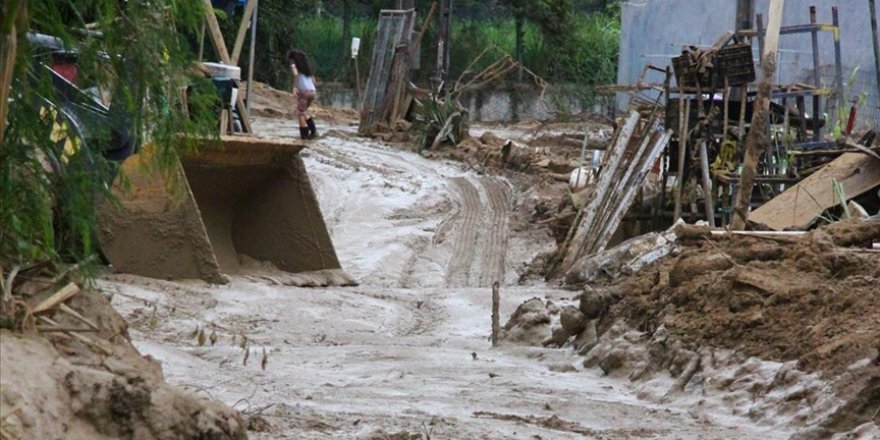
(684, 111)
(444, 37)
(838, 66)
(708, 192)
(817, 77)
(873, 8)
(496, 306)
(757, 142)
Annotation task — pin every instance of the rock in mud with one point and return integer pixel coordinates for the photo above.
(594, 302)
(529, 325)
(573, 321)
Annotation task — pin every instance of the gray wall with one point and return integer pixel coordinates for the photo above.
(654, 31)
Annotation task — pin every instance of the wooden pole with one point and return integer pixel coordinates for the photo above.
(242, 31)
(873, 8)
(708, 192)
(684, 115)
(14, 13)
(757, 142)
(496, 318)
(251, 55)
(838, 65)
(817, 77)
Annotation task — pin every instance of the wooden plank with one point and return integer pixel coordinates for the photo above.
(621, 184)
(575, 248)
(388, 76)
(802, 203)
(242, 31)
(630, 191)
(64, 294)
(756, 142)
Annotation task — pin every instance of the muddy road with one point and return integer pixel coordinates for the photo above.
(407, 351)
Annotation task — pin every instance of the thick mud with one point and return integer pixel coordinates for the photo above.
(403, 355)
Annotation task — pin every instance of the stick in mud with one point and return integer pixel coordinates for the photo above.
(496, 303)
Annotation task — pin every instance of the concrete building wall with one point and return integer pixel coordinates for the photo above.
(654, 31)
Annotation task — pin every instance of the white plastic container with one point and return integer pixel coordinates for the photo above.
(223, 70)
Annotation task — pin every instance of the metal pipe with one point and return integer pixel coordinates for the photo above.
(817, 78)
(873, 8)
(247, 96)
(838, 68)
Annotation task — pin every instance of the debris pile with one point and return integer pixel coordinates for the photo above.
(73, 373)
(708, 309)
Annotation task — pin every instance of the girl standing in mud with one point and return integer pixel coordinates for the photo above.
(305, 91)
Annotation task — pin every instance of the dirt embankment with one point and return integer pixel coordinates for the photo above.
(784, 329)
(57, 387)
(274, 103)
(813, 299)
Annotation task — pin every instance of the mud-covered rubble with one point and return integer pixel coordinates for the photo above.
(56, 387)
(784, 328)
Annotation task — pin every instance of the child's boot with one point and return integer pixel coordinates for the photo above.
(313, 130)
(304, 133)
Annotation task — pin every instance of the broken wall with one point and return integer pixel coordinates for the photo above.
(654, 31)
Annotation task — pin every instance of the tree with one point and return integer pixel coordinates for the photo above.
(50, 180)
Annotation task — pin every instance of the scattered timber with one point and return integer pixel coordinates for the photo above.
(389, 71)
(636, 148)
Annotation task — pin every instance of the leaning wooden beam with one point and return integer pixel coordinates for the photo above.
(242, 31)
(629, 192)
(757, 142)
(214, 34)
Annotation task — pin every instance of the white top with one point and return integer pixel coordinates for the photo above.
(304, 83)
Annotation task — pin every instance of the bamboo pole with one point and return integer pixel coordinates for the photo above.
(14, 13)
(757, 142)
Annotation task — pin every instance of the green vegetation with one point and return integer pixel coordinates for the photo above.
(563, 40)
(50, 179)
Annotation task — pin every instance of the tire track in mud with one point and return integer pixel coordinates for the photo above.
(479, 251)
(495, 250)
(463, 252)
